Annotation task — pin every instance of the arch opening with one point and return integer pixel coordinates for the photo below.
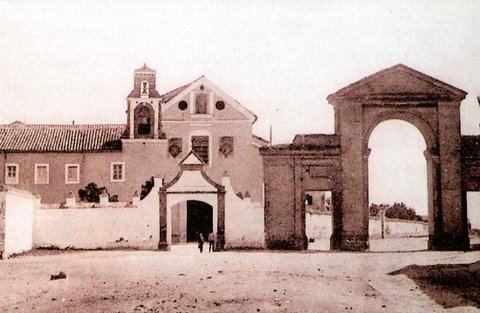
(144, 120)
(190, 217)
(397, 186)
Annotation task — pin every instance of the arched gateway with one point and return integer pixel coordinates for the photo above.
(340, 162)
(190, 185)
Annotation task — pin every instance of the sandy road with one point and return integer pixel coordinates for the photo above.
(185, 281)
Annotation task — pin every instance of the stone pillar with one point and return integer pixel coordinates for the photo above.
(221, 219)
(300, 240)
(163, 242)
(337, 220)
(156, 120)
(131, 125)
(434, 197)
(136, 199)
(104, 198)
(37, 201)
(453, 233)
(70, 200)
(354, 233)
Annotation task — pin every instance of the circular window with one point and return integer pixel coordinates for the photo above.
(183, 105)
(201, 87)
(220, 105)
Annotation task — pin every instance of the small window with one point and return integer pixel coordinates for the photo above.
(220, 105)
(41, 174)
(200, 145)
(118, 172)
(72, 173)
(201, 103)
(183, 105)
(145, 88)
(11, 173)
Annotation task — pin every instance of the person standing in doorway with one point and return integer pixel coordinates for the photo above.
(200, 241)
(211, 241)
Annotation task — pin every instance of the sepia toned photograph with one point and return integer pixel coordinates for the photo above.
(239, 156)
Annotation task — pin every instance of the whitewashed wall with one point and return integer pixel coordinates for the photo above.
(103, 227)
(244, 220)
(19, 207)
(319, 226)
(397, 228)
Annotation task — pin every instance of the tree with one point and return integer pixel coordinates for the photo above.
(397, 210)
(146, 188)
(400, 211)
(92, 192)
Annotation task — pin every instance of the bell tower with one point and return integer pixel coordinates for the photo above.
(143, 106)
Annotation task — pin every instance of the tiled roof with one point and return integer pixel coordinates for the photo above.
(144, 68)
(171, 94)
(19, 137)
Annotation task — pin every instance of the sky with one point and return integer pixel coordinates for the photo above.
(63, 60)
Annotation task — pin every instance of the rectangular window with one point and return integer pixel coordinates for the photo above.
(41, 174)
(201, 103)
(72, 173)
(200, 145)
(118, 171)
(11, 173)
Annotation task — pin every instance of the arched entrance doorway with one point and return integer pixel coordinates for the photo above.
(190, 217)
(196, 197)
(398, 201)
(199, 219)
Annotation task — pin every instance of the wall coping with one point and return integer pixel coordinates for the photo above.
(21, 192)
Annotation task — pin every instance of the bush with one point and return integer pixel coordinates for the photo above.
(397, 210)
(146, 188)
(91, 193)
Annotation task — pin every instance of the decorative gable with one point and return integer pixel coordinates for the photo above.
(399, 82)
(202, 99)
(191, 159)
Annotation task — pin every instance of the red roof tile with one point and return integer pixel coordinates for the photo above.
(17, 137)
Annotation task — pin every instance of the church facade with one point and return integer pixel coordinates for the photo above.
(54, 161)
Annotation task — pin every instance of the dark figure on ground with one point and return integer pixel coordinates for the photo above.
(200, 241)
(220, 239)
(211, 241)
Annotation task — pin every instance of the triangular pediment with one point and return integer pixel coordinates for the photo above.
(192, 177)
(172, 98)
(191, 159)
(399, 82)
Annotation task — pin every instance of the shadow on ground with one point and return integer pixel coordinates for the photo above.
(450, 285)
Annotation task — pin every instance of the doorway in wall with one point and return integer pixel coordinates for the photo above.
(199, 219)
(318, 219)
(473, 218)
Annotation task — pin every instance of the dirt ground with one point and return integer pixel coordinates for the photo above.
(184, 280)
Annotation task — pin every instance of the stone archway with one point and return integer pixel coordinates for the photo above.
(431, 106)
(339, 162)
